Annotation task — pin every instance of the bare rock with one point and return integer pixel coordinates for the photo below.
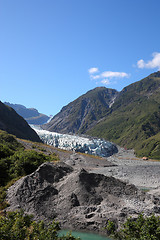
(76, 198)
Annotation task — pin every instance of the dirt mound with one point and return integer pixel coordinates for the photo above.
(76, 198)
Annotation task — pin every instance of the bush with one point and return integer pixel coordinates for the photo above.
(20, 163)
(5, 151)
(19, 226)
(142, 228)
(10, 141)
(26, 162)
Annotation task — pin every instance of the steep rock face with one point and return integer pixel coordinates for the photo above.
(76, 198)
(84, 112)
(12, 123)
(31, 115)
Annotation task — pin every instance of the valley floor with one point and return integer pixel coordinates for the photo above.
(123, 165)
(143, 174)
(80, 200)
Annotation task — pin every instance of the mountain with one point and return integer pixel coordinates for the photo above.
(130, 118)
(83, 113)
(31, 115)
(12, 123)
(134, 119)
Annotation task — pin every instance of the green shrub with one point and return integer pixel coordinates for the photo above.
(19, 164)
(19, 226)
(10, 141)
(5, 151)
(26, 162)
(142, 228)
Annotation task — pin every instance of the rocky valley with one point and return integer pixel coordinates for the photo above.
(83, 191)
(75, 143)
(129, 118)
(78, 199)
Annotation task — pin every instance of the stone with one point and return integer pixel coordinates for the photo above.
(76, 198)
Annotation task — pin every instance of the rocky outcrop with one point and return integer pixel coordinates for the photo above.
(76, 198)
(83, 113)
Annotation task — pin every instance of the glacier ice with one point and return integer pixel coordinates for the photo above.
(75, 143)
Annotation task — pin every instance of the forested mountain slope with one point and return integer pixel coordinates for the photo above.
(134, 119)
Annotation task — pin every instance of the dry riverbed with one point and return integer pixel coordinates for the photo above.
(143, 174)
(123, 165)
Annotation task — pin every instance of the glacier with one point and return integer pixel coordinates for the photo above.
(93, 146)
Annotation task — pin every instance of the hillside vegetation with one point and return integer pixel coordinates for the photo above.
(134, 119)
(16, 162)
(130, 118)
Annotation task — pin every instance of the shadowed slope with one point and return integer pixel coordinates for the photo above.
(12, 123)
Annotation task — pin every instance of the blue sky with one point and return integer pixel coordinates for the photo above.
(53, 51)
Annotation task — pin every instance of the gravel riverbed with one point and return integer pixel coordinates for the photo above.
(123, 165)
(143, 174)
